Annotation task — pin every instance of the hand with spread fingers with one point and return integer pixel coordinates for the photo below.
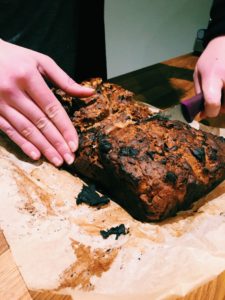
(209, 77)
(30, 114)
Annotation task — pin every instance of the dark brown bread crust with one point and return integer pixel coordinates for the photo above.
(152, 166)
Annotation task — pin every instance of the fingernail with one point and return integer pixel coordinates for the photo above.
(72, 146)
(34, 155)
(56, 161)
(68, 158)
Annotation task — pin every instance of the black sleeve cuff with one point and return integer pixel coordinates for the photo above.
(216, 25)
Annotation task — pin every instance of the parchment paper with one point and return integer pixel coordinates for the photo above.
(57, 245)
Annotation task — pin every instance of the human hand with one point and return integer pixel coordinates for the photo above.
(30, 114)
(209, 77)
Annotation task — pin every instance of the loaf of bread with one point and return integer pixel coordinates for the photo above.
(150, 165)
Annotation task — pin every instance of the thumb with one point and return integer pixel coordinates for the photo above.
(212, 90)
(197, 81)
(55, 74)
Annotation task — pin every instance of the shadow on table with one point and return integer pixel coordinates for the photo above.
(153, 84)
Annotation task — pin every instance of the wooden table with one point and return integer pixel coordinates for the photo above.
(164, 84)
(161, 85)
(12, 285)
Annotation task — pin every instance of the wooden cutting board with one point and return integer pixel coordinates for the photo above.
(12, 285)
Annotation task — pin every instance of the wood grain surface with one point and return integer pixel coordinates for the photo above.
(161, 85)
(3, 244)
(48, 296)
(12, 285)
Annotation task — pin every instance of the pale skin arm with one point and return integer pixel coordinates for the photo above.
(30, 114)
(209, 77)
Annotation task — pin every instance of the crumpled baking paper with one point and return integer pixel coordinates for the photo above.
(58, 247)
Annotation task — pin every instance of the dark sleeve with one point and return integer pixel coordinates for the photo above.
(216, 25)
(91, 55)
